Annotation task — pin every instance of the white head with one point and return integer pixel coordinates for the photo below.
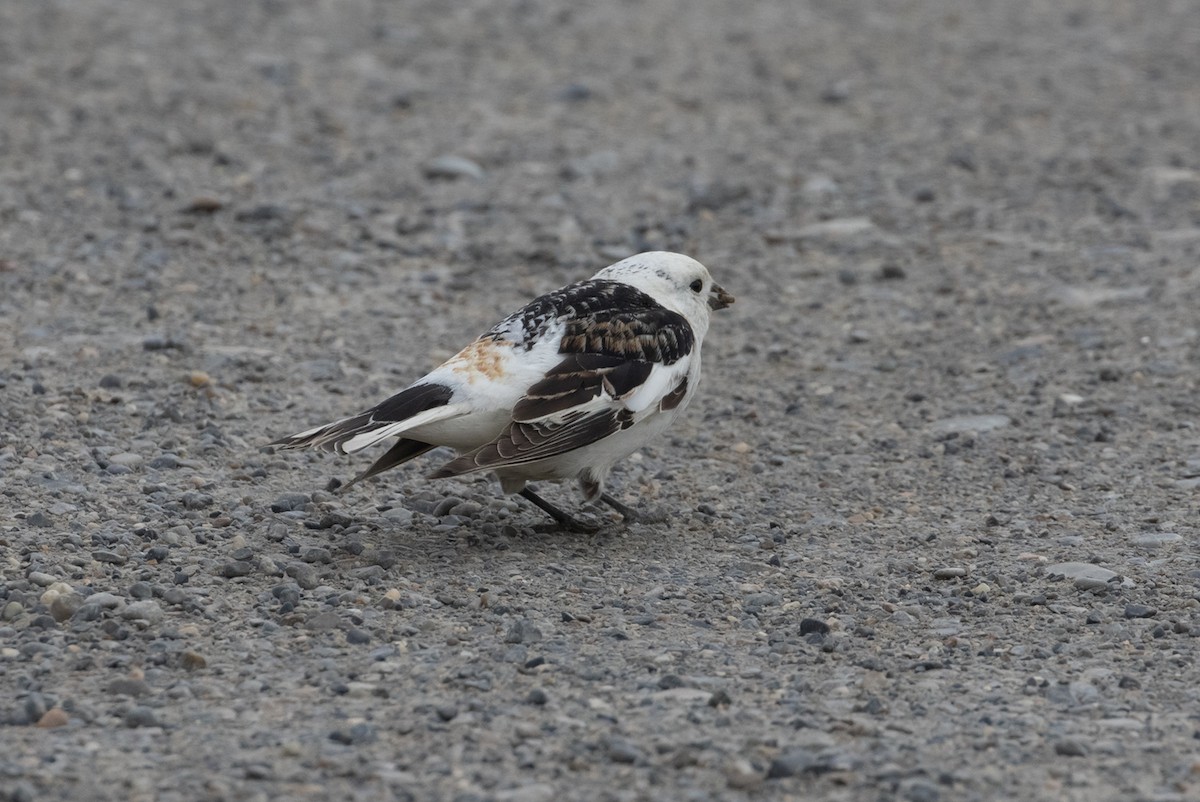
(678, 282)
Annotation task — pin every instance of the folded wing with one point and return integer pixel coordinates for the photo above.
(618, 366)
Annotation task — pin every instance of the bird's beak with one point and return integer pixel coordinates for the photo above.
(718, 298)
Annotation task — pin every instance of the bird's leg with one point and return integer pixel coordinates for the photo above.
(652, 516)
(563, 519)
(627, 512)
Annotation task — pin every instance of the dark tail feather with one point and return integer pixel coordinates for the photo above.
(328, 438)
(402, 406)
(403, 451)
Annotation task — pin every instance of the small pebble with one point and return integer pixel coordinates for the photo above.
(41, 579)
(304, 574)
(741, 774)
(110, 557)
(54, 717)
(289, 502)
(453, 167)
(125, 686)
(789, 764)
(192, 661)
(140, 716)
(65, 605)
(1069, 747)
(362, 733)
(126, 459)
(621, 750)
(108, 601)
(316, 554)
(523, 631)
(236, 568)
(1140, 611)
(148, 611)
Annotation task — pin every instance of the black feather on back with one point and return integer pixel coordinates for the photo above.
(614, 336)
(607, 314)
(578, 379)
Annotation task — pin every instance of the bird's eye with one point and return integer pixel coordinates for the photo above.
(697, 285)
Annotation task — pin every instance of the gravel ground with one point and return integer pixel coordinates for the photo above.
(932, 524)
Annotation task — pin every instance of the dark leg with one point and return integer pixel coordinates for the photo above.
(651, 516)
(627, 512)
(563, 520)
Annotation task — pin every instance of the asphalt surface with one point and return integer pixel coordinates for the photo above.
(929, 532)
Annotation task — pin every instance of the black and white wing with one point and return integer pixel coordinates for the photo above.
(624, 358)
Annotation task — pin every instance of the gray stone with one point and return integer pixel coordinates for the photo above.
(139, 716)
(41, 579)
(125, 686)
(1087, 576)
(316, 554)
(111, 557)
(108, 601)
(65, 605)
(1140, 611)
(1156, 540)
(1069, 747)
(147, 611)
(453, 167)
(235, 568)
(289, 502)
(792, 763)
(534, 792)
(969, 423)
(621, 750)
(523, 631)
(304, 574)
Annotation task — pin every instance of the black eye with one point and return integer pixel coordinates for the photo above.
(697, 285)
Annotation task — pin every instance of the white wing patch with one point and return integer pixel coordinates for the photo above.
(662, 380)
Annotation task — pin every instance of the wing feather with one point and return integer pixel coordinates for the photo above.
(618, 365)
(522, 443)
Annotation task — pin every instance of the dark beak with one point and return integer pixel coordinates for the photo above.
(718, 298)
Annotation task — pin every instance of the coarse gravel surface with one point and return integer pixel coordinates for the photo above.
(930, 529)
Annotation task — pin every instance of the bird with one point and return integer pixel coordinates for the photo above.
(562, 389)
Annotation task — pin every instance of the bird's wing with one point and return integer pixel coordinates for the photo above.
(619, 365)
(414, 406)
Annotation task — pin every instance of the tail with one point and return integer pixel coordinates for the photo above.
(415, 406)
(403, 451)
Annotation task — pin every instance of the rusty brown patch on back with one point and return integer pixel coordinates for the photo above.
(481, 359)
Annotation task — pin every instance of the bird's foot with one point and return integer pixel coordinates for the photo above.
(564, 520)
(650, 516)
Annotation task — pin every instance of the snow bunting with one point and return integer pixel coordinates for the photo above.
(563, 388)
